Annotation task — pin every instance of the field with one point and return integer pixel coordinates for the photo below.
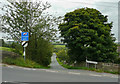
(57, 48)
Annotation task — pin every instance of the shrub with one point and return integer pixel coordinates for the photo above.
(40, 51)
(18, 48)
(117, 61)
(62, 55)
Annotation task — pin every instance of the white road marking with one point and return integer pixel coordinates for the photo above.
(74, 73)
(10, 66)
(7, 81)
(114, 76)
(41, 69)
(20, 67)
(27, 69)
(50, 71)
(111, 76)
(95, 75)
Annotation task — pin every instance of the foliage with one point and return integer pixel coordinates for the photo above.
(4, 44)
(17, 48)
(20, 62)
(117, 61)
(57, 48)
(40, 52)
(33, 18)
(62, 55)
(87, 33)
(6, 49)
(14, 47)
(28, 17)
(64, 65)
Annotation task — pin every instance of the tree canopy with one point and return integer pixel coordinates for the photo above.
(88, 34)
(28, 17)
(31, 17)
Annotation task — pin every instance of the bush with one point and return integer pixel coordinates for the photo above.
(14, 47)
(117, 61)
(17, 48)
(3, 43)
(62, 55)
(40, 51)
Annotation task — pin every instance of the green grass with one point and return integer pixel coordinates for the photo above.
(12, 50)
(59, 46)
(112, 72)
(85, 68)
(20, 62)
(6, 49)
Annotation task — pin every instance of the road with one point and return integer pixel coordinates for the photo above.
(55, 74)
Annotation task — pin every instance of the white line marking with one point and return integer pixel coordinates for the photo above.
(27, 69)
(110, 76)
(7, 81)
(50, 71)
(10, 66)
(33, 69)
(95, 75)
(114, 76)
(74, 73)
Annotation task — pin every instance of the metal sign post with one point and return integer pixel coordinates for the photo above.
(24, 53)
(24, 44)
(24, 38)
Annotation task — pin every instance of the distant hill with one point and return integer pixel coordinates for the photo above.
(119, 43)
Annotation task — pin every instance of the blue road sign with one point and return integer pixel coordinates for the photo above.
(24, 36)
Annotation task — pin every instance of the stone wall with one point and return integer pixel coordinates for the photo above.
(100, 65)
(7, 54)
(108, 66)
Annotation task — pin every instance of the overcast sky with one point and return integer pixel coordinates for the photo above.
(106, 7)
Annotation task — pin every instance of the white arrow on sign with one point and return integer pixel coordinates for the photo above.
(24, 43)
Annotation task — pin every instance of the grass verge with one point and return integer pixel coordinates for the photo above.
(85, 68)
(20, 62)
(6, 49)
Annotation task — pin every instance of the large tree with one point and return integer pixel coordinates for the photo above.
(88, 34)
(29, 17)
(32, 17)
